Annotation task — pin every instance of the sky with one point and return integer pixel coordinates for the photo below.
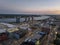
(29, 6)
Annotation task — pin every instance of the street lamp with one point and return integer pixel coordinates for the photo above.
(55, 32)
(55, 35)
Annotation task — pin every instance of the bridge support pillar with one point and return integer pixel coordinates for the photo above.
(32, 19)
(25, 19)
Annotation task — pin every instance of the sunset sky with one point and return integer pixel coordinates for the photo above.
(29, 6)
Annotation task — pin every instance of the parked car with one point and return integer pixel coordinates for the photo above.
(42, 34)
(32, 40)
(29, 42)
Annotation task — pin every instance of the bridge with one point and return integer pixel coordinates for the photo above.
(19, 16)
